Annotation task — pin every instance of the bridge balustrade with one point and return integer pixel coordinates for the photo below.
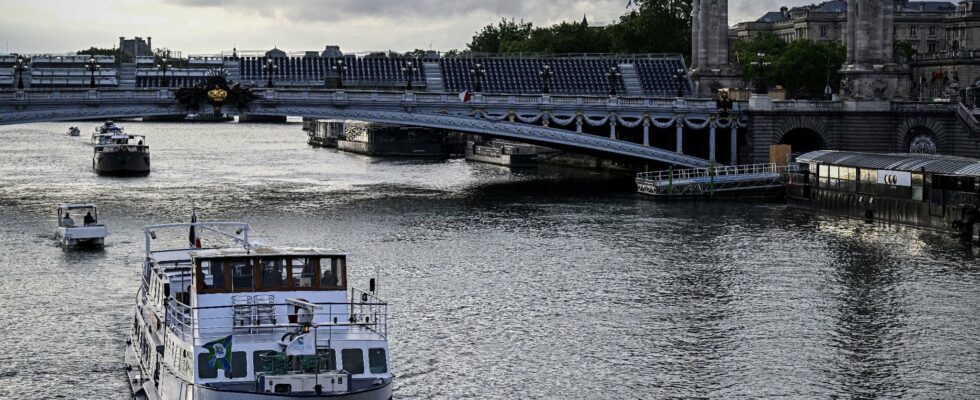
(920, 106)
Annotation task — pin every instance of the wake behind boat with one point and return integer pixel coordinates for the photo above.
(236, 321)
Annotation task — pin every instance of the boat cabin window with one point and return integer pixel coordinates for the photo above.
(274, 274)
(241, 275)
(212, 276)
(353, 360)
(239, 365)
(267, 274)
(303, 273)
(377, 361)
(204, 370)
(332, 273)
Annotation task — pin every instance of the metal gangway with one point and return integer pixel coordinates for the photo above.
(701, 182)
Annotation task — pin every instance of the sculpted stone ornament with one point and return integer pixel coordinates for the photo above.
(217, 92)
(880, 89)
(923, 144)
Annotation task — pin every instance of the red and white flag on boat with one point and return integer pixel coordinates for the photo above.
(465, 96)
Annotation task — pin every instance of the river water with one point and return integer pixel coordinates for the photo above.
(547, 284)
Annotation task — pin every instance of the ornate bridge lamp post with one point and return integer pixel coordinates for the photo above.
(341, 70)
(545, 73)
(92, 66)
(478, 73)
(760, 69)
(409, 70)
(21, 66)
(681, 77)
(269, 67)
(614, 76)
(163, 67)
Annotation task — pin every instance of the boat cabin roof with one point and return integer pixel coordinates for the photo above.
(262, 251)
(927, 163)
(75, 206)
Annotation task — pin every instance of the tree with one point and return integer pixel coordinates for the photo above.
(654, 26)
(804, 67)
(120, 55)
(493, 37)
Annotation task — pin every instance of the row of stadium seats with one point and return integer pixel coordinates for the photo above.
(379, 70)
(569, 75)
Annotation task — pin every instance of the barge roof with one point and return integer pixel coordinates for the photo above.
(928, 163)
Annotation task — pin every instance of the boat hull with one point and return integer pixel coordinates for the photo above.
(172, 387)
(122, 163)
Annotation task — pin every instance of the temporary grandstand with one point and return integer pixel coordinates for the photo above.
(577, 74)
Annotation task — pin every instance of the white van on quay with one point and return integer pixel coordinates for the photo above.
(78, 226)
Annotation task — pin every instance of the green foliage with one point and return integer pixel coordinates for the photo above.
(905, 50)
(803, 67)
(653, 26)
(121, 57)
(493, 37)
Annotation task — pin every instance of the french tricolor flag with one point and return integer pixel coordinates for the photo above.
(465, 96)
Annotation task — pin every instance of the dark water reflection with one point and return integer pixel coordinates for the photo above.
(539, 284)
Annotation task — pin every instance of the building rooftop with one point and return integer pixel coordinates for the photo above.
(932, 164)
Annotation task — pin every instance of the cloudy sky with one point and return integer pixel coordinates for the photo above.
(210, 26)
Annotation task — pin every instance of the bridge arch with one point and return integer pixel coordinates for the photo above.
(921, 135)
(803, 133)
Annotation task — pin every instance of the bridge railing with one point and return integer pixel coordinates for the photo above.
(922, 106)
(681, 176)
(375, 96)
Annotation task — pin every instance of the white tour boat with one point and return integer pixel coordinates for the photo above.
(121, 155)
(245, 322)
(74, 131)
(105, 131)
(78, 226)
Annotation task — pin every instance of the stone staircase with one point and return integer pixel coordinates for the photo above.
(433, 77)
(631, 79)
(127, 75)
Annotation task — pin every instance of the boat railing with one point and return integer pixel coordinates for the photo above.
(660, 178)
(330, 319)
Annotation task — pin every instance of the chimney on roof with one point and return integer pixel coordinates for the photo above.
(149, 44)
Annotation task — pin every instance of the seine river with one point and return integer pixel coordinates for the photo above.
(548, 284)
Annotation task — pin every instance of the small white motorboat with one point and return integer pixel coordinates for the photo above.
(71, 234)
(74, 131)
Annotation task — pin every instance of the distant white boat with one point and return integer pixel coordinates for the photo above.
(74, 131)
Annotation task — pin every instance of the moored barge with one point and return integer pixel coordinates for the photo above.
(931, 191)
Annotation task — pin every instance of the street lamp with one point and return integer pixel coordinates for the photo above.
(163, 67)
(92, 67)
(478, 73)
(409, 71)
(269, 67)
(680, 76)
(340, 69)
(19, 68)
(614, 76)
(546, 73)
(760, 69)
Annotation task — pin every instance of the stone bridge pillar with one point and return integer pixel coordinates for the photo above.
(711, 67)
(870, 72)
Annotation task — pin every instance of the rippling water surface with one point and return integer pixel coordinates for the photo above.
(504, 285)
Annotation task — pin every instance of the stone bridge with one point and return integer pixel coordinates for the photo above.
(554, 121)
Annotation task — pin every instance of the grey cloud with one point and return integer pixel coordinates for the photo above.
(332, 10)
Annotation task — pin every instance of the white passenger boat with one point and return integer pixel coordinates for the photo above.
(121, 155)
(244, 322)
(105, 131)
(74, 131)
(78, 226)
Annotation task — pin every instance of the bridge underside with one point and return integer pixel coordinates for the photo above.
(527, 133)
